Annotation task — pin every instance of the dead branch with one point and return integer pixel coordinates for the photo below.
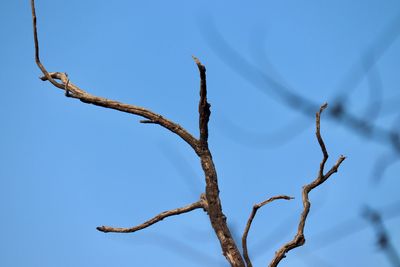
(152, 117)
(202, 203)
(200, 146)
(204, 106)
(210, 200)
(217, 217)
(74, 91)
(299, 238)
(248, 225)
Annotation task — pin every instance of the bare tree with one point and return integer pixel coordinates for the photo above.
(209, 201)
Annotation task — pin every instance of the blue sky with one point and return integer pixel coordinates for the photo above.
(67, 167)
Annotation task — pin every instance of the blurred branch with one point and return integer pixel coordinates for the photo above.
(250, 220)
(299, 238)
(262, 140)
(183, 167)
(286, 95)
(381, 165)
(349, 227)
(382, 235)
(375, 94)
(197, 257)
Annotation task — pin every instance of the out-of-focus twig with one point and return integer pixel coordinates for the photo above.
(261, 140)
(290, 98)
(382, 235)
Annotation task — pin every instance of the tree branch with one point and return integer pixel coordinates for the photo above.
(250, 220)
(36, 41)
(76, 92)
(202, 203)
(299, 239)
(209, 201)
(215, 213)
(214, 208)
(204, 106)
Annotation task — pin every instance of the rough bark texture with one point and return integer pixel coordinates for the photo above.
(217, 217)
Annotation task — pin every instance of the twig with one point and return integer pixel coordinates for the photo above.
(36, 41)
(250, 220)
(197, 205)
(299, 239)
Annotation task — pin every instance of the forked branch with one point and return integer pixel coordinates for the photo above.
(210, 200)
(200, 146)
(299, 238)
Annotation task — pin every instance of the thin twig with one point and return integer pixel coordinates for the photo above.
(197, 205)
(299, 239)
(37, 57)
(319, 138)
(250, 220)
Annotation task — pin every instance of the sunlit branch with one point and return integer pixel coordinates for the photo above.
(249, 222)
(299, 238)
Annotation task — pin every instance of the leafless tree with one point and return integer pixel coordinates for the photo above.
(209, 201)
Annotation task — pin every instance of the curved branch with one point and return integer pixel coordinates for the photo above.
(299, 238)
(214, 207)
(197, 205)
(250, 220)
(76, 92)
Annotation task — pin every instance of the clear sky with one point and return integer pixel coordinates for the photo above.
(68, 167)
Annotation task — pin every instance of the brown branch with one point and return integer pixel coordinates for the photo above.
(319, 138)
(210, 201)
(250, 220)
(214, 208)
(215, 213)
(299, 239)
(36, 41)
(76, 92)
(202, 203)
(204, 106)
